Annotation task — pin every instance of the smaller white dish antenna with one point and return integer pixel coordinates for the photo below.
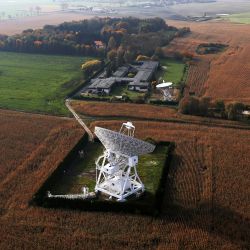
(164, 85)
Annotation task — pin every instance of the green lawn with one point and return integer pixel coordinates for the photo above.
(121, 90)
(82, 171)
(174, 71)
(37, 83)
(243, 18)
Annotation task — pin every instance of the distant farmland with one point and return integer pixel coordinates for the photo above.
(37, 83)
(240, 18)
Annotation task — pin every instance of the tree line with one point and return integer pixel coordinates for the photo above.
(205, 106)
(132, 35)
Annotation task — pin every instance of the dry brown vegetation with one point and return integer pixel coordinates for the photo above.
(199, 174)
(101, 110)
(228, 77)
(123, 110)
(209, 177)
(197, 77)
(32, 146)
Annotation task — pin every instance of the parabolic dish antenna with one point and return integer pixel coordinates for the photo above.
(123, 144)
(164, 85)
(116, 169)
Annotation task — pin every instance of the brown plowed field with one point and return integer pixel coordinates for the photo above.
(208, 176)
(31, 148)
(228, 77)
(117, 110)
(110, 111)
(205, 207)
(197, 77)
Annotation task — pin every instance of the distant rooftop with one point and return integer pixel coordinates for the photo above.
(103, 83)
(121, 71)
(149, 65)
(143, 76)
(139, 84)
(144, 69)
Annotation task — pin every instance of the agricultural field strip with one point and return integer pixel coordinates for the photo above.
(95, 114)
(59, 129)
(230, 67)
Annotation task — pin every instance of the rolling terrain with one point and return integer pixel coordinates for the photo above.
(205, 205)
(224, 75)
(206, 201)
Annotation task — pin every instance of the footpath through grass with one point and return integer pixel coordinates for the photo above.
(37, 83)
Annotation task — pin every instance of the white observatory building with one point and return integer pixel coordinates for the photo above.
(116, 169)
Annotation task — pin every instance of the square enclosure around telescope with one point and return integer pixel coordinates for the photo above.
(123, 144)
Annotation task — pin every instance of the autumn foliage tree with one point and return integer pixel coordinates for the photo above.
(143, 58)
(91, 66)
(189, 105)
(234, 110)
(112, 43)
(128, 56)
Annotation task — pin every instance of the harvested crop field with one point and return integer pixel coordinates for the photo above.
(228, 77)
(116, 110)
(209, 177)
(203, 165)
(197, 77)
(12, 27)
(31, 147)
(120, 111)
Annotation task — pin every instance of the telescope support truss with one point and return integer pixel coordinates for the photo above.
(116, 176)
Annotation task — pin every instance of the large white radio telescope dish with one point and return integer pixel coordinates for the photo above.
(123, 144)
(116, 169)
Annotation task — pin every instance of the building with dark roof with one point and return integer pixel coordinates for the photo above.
(144, 76)
(102, 85)
(121, 71)
(145, 71)
(139, 86)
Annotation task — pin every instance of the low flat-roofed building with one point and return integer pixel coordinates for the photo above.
(149, 65)
(102, 85)
(121, 71)
(102, 75)
(144, 72)
(144, 76)
(139, 86)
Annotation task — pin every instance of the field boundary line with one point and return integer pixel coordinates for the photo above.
(167, 120)
(79, 120)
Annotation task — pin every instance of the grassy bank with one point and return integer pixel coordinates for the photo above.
(37, 83)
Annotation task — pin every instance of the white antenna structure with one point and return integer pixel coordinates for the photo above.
(116, 169)
(164, 88)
